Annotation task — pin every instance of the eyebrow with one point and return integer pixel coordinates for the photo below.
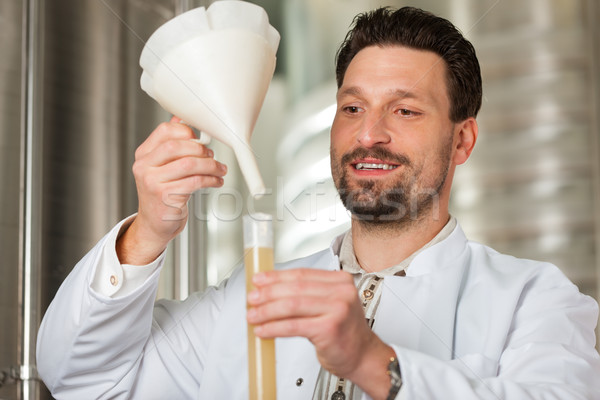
(356, 91)
(405, 94)
(351, 91)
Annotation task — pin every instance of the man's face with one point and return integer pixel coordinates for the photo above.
(392, 138)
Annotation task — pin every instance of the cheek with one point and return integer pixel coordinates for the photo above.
(433, 139)
(439, 156)
(340, 137)
(337, 126)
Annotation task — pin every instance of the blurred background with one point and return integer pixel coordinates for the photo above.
(72, 113)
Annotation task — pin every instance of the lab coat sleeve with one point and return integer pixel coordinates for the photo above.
(549, 354)
(93, 346)
(113, 279)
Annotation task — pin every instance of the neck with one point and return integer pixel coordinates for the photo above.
(380, 246)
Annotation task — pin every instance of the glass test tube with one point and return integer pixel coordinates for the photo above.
(258, 257)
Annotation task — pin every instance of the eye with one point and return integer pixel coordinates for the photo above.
(407, 113)
(352, 109)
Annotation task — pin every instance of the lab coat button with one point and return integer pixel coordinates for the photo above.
(338, 395)
(368, 294)
(114, 280)
(299, 382)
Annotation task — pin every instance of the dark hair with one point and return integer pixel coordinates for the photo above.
(414, 28)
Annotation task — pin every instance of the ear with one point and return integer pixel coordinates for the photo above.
(466, 136)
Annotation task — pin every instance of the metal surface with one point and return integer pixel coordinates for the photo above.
(11, 19)
(528, 188)
(95, 115)
(30, 197)
(186, 262)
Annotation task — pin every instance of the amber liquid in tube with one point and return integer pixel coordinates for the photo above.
(258, 257)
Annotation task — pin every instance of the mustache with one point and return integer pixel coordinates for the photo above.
(375, 152)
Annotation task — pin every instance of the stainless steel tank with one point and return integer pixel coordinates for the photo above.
(73, 86)
(11, 14)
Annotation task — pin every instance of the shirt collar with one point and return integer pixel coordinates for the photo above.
(350, 264)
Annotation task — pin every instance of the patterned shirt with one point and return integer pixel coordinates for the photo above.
(330, 387)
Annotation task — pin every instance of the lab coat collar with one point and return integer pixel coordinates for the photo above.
(439, 256)
(428, 261)
(418, 311)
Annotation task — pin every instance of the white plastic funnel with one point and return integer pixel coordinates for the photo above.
(212, 68)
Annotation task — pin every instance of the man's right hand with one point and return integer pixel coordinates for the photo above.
(168, 168)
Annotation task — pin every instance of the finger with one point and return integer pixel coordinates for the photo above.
(174, 149)
(204, 138)
(183, 188)
(190, 166)
(177, 196)
(299, 274)
(337, 301)
(290, 307)
(296, 289)
(292, 327)
(163, 132)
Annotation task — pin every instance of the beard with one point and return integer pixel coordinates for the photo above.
(403, 199)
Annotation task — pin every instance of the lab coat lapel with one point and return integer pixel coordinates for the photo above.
(225, 374)
(297, 364)
(418, 311)
(297, 368)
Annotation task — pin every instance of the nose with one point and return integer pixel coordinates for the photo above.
(373, 131)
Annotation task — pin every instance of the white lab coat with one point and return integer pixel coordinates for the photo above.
(466, 323)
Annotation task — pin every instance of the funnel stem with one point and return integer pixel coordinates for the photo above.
(249, 169)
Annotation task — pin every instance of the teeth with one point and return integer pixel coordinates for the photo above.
(362, 166)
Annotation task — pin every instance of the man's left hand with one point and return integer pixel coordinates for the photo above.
(324, 307)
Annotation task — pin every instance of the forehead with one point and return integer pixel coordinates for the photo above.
(396, 69)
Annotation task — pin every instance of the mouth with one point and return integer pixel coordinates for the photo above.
(372, 165)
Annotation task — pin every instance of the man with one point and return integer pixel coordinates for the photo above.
(445, 318)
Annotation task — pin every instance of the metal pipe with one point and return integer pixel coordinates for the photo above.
(189, 267)
(181, 244)
(30, 216)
